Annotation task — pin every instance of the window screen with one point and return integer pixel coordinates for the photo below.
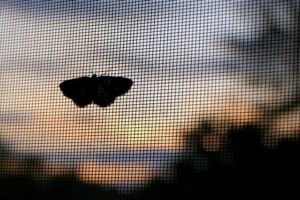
(213, 107)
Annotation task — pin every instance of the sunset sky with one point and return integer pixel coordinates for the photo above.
(178, 84)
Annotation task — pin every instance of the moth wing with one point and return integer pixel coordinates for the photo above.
(115, 86)
(80, 90)
(103, 98)
(109, 88)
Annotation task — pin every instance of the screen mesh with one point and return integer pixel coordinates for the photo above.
(213, 108)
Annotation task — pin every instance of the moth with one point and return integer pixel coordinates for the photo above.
(101, 90)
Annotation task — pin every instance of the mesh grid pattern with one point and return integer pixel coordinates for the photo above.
(213, 107)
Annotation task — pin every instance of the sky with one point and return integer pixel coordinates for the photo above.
(177, 53)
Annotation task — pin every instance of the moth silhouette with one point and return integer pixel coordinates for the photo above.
(102, 90)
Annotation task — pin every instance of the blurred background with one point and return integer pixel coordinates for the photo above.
(214, 108)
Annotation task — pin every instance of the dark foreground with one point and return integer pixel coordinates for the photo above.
(247, 170)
